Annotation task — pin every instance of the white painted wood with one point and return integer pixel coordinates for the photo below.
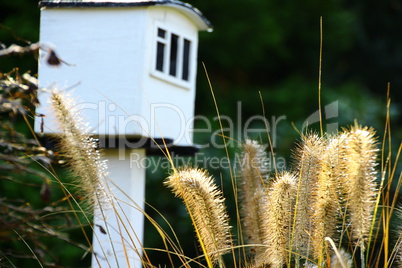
(123, 220)
(111, 52)
(167, 100)
(106, 51)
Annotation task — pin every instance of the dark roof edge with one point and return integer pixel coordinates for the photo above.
(174, 3)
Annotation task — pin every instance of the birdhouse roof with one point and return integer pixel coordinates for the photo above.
(193, 13)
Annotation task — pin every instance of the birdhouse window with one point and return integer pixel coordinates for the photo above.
(172, 61)
(186, 59)
(173, 54)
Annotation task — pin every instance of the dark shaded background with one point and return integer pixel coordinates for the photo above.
(270, 47)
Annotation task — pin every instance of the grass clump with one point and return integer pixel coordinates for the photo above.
(320, 214)
(331, 195)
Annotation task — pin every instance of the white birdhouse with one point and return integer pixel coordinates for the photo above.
(131, 66)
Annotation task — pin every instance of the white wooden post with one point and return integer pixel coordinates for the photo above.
(119, 230)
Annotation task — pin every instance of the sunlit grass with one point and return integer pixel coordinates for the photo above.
(335, 206)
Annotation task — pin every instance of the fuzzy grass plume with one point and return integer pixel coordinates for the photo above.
(326, 199)
(205, 205)
(277, 220)
(80, 148)
(308, 163)
(341, 260)
(253, 177)
(359, 154)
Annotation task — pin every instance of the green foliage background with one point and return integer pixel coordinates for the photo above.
(270, 47)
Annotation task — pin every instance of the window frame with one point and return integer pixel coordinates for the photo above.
(183, 66)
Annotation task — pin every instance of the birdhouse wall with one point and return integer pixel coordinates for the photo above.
(109, 65)
(169, 100)
(104, 53)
